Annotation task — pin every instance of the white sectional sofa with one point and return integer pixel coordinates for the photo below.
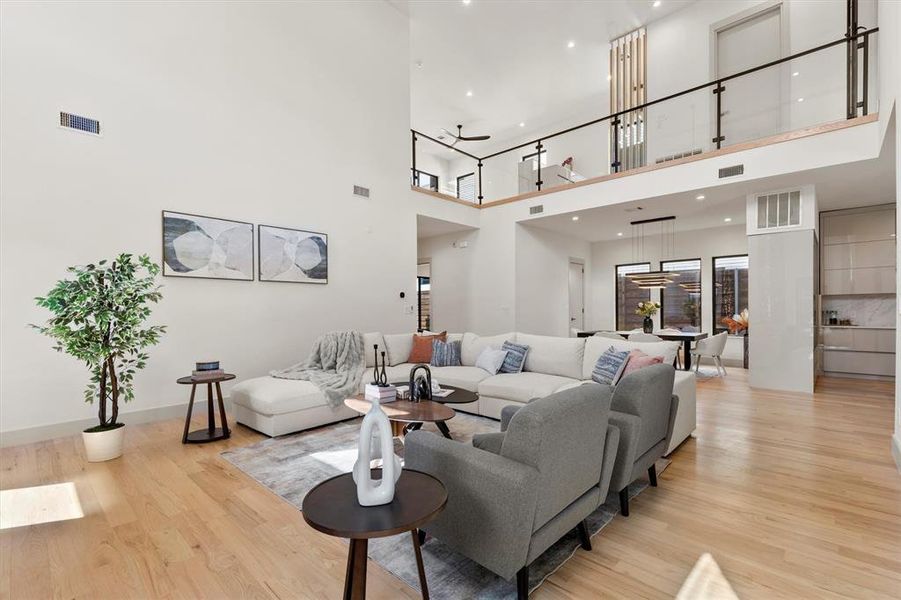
(279, 406)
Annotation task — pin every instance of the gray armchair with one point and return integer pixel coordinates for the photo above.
(643, 408)
(513, 494)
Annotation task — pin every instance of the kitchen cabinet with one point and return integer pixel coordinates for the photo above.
(858, 251)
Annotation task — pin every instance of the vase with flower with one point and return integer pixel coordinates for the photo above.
(647, 309)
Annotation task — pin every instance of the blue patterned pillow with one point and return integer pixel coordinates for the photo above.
(610, 366)
(516, 357)
(445, 354)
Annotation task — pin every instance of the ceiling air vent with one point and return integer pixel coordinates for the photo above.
(85, 124)
(732, 171)
(361, 191)
(537, 209)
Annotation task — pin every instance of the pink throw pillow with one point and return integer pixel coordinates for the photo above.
(640, 360)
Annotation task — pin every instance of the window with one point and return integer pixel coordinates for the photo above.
(425, 180)
(779, 210)
(466, 187)
(680, 301)
(730, 288)
(628, 295)
(532, 157)
(423, 296)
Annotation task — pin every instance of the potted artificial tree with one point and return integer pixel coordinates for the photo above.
(98, 318)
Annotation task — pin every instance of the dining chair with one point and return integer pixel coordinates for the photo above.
(711, 347)
(670, 330)
(609, 335)
(644, 337)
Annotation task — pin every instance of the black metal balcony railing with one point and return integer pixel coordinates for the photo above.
(856, 83)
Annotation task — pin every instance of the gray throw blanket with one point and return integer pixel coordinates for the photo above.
(335, 366)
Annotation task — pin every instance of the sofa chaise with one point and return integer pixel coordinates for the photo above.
(279, 406)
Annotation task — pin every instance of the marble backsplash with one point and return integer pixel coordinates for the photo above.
(865, 311)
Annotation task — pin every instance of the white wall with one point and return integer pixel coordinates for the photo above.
(244, 111)
(451, 285)
(542, 280)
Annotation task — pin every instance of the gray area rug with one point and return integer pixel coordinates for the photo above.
(292, 465)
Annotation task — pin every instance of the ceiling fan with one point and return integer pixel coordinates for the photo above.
(459, 137)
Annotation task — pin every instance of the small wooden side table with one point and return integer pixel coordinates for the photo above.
(211, 433)
(332, 508)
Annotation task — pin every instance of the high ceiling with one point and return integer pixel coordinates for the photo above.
(848, 185)
(515, 58)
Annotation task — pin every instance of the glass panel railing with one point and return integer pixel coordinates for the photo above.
(801, 91)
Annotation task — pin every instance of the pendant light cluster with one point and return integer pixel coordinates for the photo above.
(654, 280)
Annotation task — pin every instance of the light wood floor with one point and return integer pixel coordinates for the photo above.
(796, 496)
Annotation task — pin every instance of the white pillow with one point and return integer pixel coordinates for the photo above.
(473, 345)
(398, 346)
(370, 339)
(491, 359)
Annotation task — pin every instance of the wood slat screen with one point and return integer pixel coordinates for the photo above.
(628, 88)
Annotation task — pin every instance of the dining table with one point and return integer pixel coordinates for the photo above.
(686, 337)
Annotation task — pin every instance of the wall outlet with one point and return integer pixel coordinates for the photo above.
(409, 309)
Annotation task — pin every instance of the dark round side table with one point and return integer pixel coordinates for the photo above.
(211, 433)
(332, 508)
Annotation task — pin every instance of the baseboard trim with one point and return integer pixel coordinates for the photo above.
(41, 433)
(896, 449)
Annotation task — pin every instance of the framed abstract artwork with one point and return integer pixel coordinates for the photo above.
(292, 255)
(207, 247)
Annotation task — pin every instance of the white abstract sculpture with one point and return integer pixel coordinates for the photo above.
(372, 492)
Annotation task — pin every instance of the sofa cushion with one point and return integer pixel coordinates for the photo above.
(274, 396)
(369, 340)
(467, 378)
(421, 351)
(610, 366)
(554, 355)
(596, 345)
(491, 360)
(445, 354)
(516, 357)
(639, 360)
(474, 344)
(522, 387)
(399, 346)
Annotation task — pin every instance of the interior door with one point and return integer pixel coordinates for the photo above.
(752, 104)
(576, 296)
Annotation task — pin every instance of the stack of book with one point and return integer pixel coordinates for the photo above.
(207, 370)
(386, 393)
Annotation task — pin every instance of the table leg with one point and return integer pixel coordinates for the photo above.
(211, 421)
(184, 438)
(442, 427)
(355, 578)
(686, 350)
(225, 430)
(419, 566)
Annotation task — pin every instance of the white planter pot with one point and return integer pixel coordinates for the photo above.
(103, 445)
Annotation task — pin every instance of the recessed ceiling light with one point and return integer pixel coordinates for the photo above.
(657, 3)
(522, 124)
(795, 74)
(467, 2)
(619, 233)
(571, 44)
(469, 94)
(576, 218)
(728, 219)
(700, 197)
(800, 99)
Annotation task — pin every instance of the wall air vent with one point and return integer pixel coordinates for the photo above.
(778, 210)
(362, 192)
(732, 171)
(537, 209)
(85, 124)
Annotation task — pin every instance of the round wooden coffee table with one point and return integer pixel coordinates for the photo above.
(332, 508)
(460, 396)
(406, 416)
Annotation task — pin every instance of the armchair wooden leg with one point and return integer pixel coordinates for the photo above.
(652, 475)
(584, 538)
(624, 501)
(522, 583)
